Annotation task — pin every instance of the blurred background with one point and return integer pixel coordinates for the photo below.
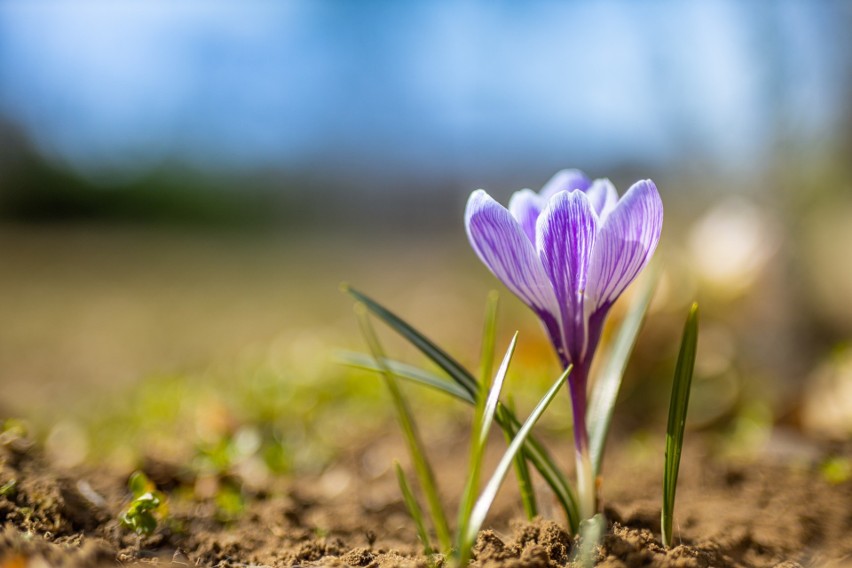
(183, 186)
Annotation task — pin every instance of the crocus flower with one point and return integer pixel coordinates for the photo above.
(568, 252)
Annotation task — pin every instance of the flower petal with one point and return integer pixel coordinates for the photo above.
(565, 180)
(506, 250)
(566, 233)
(525, 206)
(626, 242)
(603, 197)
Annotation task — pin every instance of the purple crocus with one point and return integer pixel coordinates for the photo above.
(568, 252)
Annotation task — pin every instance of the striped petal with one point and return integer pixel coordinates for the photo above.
(565, 180)
(627, 239)
(566, 233)
(525, 206)
(603, 196)
(506, 250)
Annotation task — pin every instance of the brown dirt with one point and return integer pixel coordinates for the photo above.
(776, 512)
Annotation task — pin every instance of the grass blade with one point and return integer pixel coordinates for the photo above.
(522, 473)
(605, 391)
(413, 508)
(425, 475)
(404, 371)
(486, 407)
(452, 367)
(493, 398)
(489, 334)
(486, 498)
(677, 419)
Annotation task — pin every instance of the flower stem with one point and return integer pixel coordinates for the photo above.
(586, 491)
(586, 494)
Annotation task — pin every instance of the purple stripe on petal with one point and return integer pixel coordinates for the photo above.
(553, 327)
(565, 180)
(565, 238)
(507, 251)
(525, 206)
(626, 242)
(603, 196)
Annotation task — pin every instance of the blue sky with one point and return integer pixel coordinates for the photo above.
(420, 86)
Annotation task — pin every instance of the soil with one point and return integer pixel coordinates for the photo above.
(777, 511)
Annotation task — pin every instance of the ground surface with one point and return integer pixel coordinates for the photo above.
(775, 511)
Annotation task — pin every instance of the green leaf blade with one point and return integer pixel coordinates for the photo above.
(605, 392)
(441, 358)
(522, 473)
(413, 508)
(486, 498)
(485, 410)
(404, 371)
(677, 419)
(489, 335)
(493, 398)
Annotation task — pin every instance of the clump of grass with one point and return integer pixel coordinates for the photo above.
(463, 386)
(472, 509)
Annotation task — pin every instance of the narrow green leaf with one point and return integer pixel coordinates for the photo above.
(522, 473)
(544, 464)
(493, 398)
(489, 335)
(424, 471)
(677, 419)
(405, 371)
(413, 508)
(486, 498)
(486, 407)
(605, 390)
(452, 367)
